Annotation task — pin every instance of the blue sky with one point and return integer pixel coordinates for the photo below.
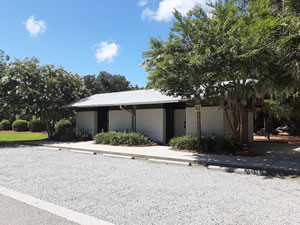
(87, 36)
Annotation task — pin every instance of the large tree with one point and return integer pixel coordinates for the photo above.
(58, 88)
(284, 103)
(227, 57)
(34, 90)
(90, 84)
(3, 61)
(5, 111)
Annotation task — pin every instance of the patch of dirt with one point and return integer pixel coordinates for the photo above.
(128, 145)
(12, 131)
(280, 138)
(7, 131)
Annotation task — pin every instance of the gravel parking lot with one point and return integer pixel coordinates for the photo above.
(123, 191)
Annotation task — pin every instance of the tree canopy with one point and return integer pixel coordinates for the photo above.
(233, 55)
(28, 89)
(106, 82)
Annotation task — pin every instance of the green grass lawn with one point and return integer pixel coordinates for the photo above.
(14, 137)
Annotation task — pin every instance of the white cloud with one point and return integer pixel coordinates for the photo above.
(106, 51)
(35, 27)
(148, 14)
(142, 3)
(164, 12)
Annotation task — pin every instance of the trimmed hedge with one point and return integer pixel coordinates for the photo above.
(122, 138)
(209, 144)
(20, 125)
(65, 131)
(5, 125)
(64, 127)
(36, 125)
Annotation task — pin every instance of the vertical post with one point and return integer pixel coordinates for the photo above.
(133, 118)
(198, 110)
(198, 125)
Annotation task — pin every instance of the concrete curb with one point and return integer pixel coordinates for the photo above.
(135, 156)
(262, 171)
(239, 170)
(226, 167)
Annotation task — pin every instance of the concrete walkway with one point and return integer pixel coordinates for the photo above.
(279, 158)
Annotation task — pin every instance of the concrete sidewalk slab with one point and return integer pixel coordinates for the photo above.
(277, 162)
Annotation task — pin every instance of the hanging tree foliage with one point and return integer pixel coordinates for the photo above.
(229, 56)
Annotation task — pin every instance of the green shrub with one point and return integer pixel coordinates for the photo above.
(80, 135)
(36, 125)
(229, 144)
(219, 144)
(5, 125)
(64, 127)
(105, 137)
(185, 143)
(210, 144)
(66, 132)
(20, 125)
(122, 138)
(293, 130)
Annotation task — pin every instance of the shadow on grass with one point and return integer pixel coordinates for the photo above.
(4, 144)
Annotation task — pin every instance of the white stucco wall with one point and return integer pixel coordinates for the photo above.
(179, 122)
(119, 120)
(212, 121)
(191, 121)
(151, 122)
(87, 121)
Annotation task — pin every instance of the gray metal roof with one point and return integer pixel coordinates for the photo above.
(135, 97)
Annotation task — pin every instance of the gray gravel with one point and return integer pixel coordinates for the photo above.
(123, 191)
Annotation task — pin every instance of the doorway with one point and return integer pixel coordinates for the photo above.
(169, 124)
(102, 119)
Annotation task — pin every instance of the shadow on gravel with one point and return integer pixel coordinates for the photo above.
(277, 160)
(283, 177)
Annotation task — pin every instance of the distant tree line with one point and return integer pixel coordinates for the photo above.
(106, 82)
(29, 89)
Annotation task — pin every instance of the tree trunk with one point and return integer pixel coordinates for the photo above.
(229, 121)
(49, 128)
(243, 127)
(236, 124)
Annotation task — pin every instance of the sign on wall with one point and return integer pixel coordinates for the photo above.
(197, 108)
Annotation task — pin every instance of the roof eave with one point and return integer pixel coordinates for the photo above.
(127, 104)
